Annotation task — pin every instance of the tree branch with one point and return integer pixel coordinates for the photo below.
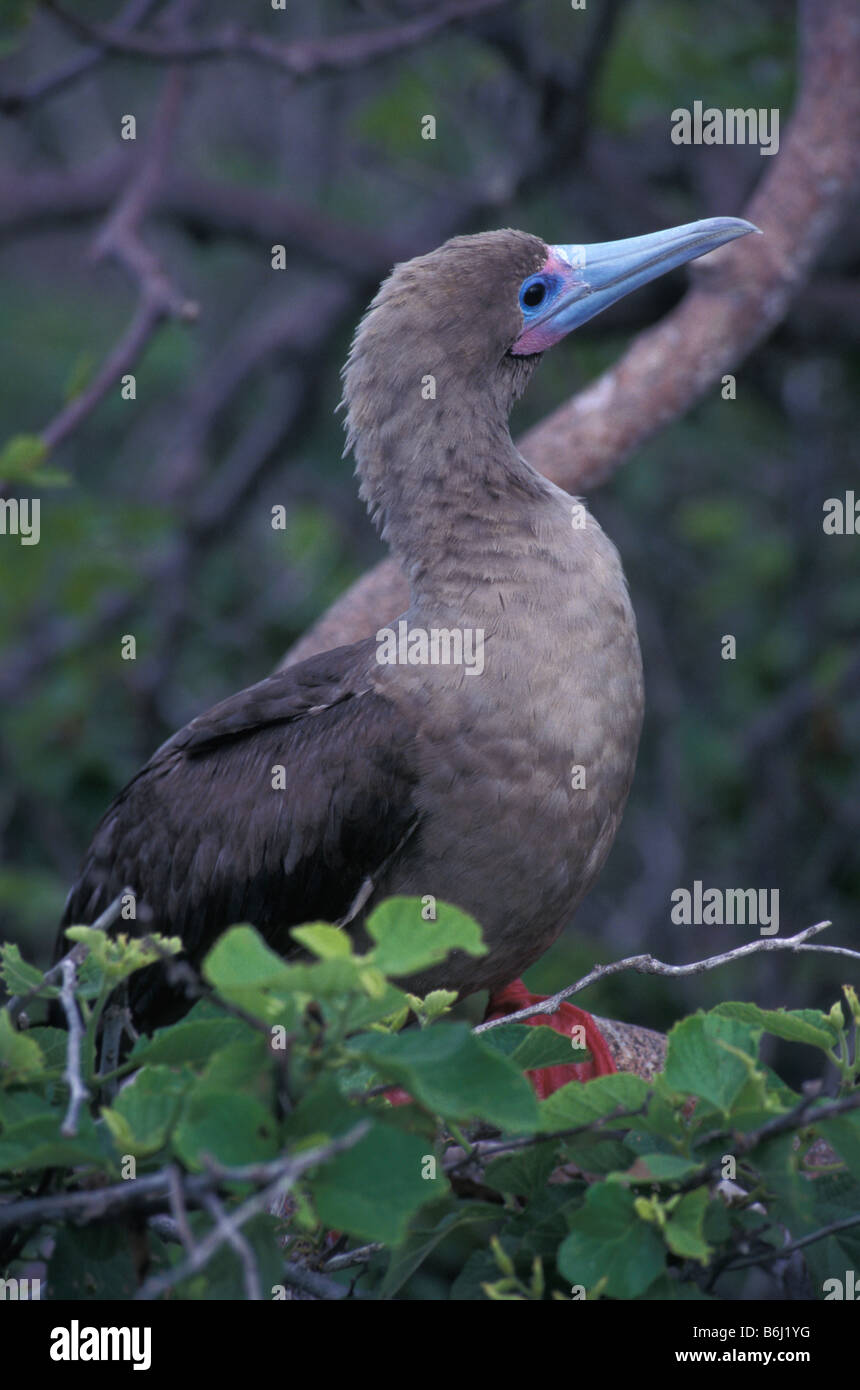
(13, 103)
(300, 59)
(647, 965)
(119, 240)
(148, 1194)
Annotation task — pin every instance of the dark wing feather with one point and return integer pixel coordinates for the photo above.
(205, 840)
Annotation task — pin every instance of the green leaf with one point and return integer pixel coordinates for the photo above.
(37, 1143)
(799, 1025)
(20, 456)
(361, 1011)
(246, 972)
(699, 1061)
(121, 955)
(323, 940)
(20, 1056)
(609, 1241)
(145, 1111)
(447, 1069)
(684, 1231)
(405, 942)
(54, 1043)
(523, 1174)
(321, 1114)
(233, 1129)
(843, 1134)
(18, 976)
(429, 1229)
(92, 1263)
(243, 1065)
(371, 1190)
(594, 1153)
(434, 1005)
(188, 1041)
(660, 1167)
(531, 1048)
(579, 1103)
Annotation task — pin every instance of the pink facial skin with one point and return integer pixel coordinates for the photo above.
(540, 336)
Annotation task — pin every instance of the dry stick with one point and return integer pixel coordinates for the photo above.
(299, 59)
(14, 102)
(119, 240)
(287, 1171)
(739, 294)
(179, 1220)
(647, 965)
(230, 1233)
(78, 1092)
(492, 1148)
(148, 1193)
(359, 1256)
(780, 1252)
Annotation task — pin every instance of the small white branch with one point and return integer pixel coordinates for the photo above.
(78, 1092)
(647, 965)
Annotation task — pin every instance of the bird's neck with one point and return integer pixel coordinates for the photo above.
(448, 490)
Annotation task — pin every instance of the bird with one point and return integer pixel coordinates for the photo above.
(492, 777)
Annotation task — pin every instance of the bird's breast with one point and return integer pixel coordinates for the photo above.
(525, 764)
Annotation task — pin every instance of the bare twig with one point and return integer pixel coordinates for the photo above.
(359, 1256)
(299, 59)
(119, 240)
(780, 1252)
(78, 1092)
(177, 1206)
(228, 1228)
(486, 1149)
(286, 1173)
(149, 1193)
(13, 103)
(647, 965)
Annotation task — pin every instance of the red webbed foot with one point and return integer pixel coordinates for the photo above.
(568, 1020)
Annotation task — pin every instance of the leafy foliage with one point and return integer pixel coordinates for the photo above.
(608, 1189)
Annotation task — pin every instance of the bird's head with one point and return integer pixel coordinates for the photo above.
(480, 307)
(452, 338)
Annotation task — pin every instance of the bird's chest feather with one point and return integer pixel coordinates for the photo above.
(525, 764)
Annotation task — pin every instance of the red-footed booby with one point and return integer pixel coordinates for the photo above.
(495, 779)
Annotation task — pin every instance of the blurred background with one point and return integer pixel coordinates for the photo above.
(156, 512)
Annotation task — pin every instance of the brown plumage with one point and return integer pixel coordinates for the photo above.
(416, 779)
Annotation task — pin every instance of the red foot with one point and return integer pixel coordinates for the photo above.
(565, 1020)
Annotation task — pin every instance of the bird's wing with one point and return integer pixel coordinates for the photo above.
(275, 807)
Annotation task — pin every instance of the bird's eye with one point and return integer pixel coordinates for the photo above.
(533, 294)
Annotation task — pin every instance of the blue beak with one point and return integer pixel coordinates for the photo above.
(582, 281)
